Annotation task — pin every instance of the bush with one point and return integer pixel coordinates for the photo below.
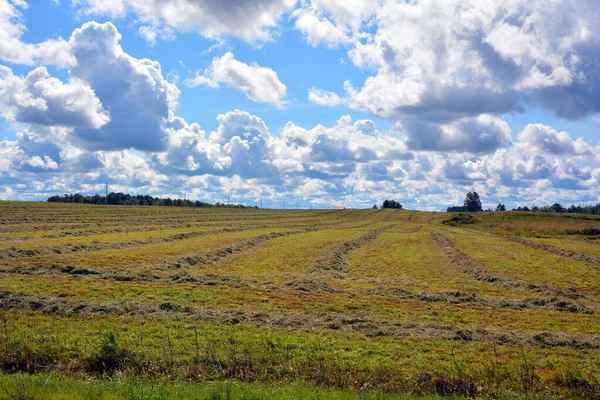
(391, 204)
(460, 219)
(110, 355)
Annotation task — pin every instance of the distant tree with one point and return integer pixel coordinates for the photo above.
(535, 208)
(500, 207)
(556, 207)
(473, 202)
(391, 204)
(374, 207)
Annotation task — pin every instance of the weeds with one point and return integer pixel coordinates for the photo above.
(526, 374)
(20, 390)
(109, 357)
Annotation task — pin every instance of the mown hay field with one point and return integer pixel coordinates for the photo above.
(111, 302)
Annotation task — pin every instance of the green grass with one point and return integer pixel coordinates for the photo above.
(56, 387)
(397, 315)
(183, 352)
(150, 254)
(578, 246)
(280, 259)
(512, 259)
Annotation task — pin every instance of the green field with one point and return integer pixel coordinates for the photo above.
(127, 302)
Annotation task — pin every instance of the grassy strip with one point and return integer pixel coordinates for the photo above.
(56, 387)
(586, 258)
(322, 321)
(176, 351)
(506, 259)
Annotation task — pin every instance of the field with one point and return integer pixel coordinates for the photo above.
(167, 302)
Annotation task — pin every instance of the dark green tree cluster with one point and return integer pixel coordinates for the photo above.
(472, 203)
(123, 199)
(391, 204)
(558, 208)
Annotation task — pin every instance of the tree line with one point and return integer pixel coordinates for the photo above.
(124, 199)
(556, 207)
(472, 203)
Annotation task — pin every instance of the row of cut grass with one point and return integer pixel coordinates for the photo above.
(511, 259)
(151, 254)
(98, 291)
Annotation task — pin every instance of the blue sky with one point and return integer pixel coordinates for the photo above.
(320, 102)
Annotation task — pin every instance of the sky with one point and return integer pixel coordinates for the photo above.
(317, 103)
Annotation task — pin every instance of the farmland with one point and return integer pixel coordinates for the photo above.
(170, 302)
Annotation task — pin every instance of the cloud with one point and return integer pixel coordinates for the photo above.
(251, 21)
(482, 134)
(13, 50)
(324, 97)
(150, 33)
(337, 150)
(440, 61)
(350, 162)
(39, 163)
(331, 23)
(10, 154)
(132, 89)
(43, 100)
(318, 29)
(440, 71)
(241, 145)
(258, 83)
(549, 141)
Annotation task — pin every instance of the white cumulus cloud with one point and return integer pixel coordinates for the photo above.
(44, 100)
(134, 90)
(260, 84)
(252, 21)
(324, 97)
(14, 50)
(549, 141)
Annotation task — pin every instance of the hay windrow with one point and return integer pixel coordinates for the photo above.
(463, 262)
(214, 256)
(335, 258)
(586, 258)
(323, 321)
(95, 246)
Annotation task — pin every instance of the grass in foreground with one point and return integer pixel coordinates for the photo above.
(56, 387)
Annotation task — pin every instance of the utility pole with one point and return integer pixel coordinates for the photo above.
(284, 204)
(106, 193)
(261, 203)
(227, 199)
